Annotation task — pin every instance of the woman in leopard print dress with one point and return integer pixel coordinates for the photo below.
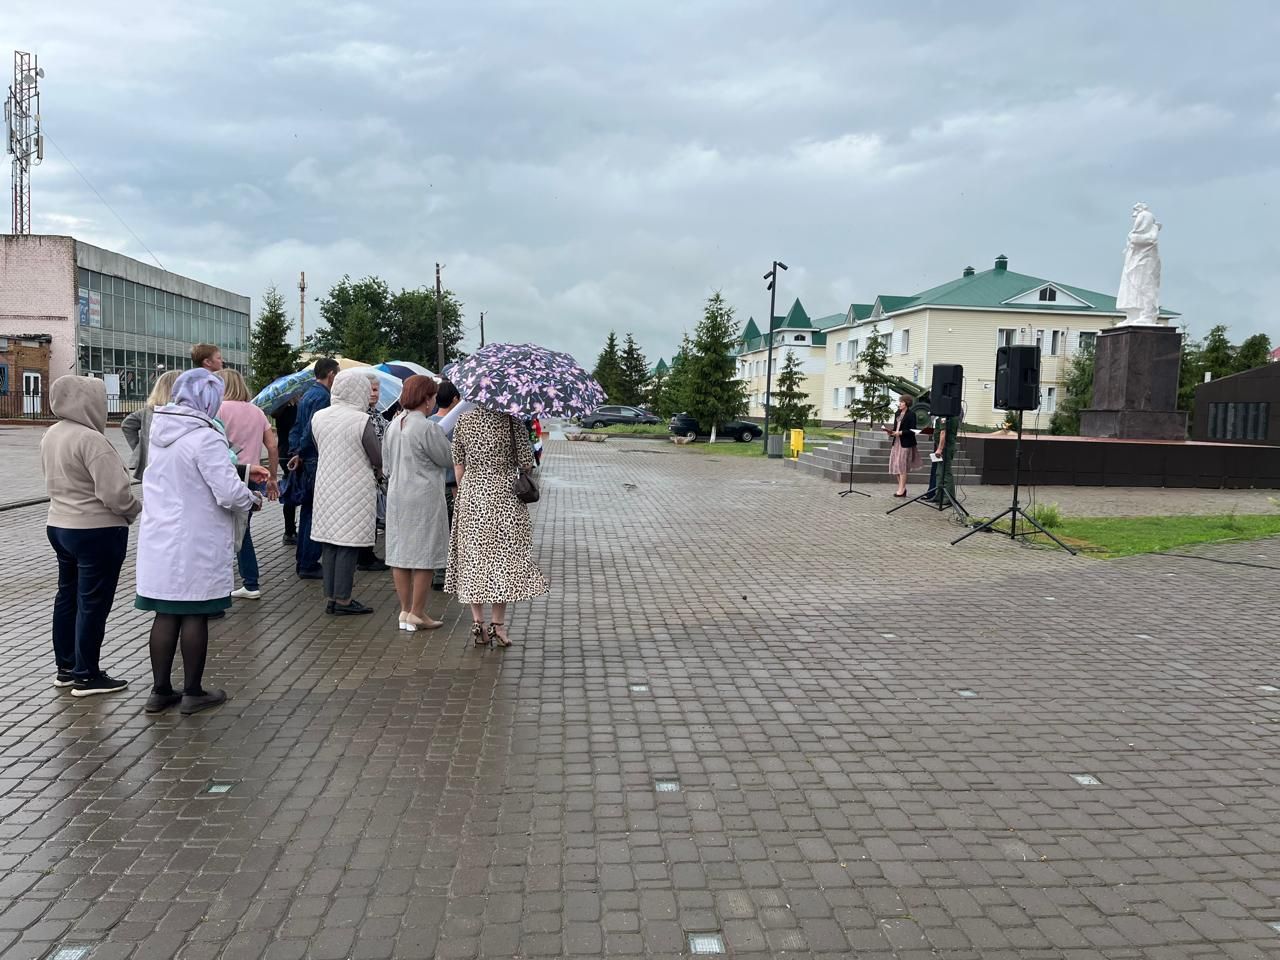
(491, 549)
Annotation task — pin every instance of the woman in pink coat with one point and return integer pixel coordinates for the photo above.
(191, 494)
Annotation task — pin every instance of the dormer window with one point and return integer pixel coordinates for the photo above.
(1048, 294)
(799, 338)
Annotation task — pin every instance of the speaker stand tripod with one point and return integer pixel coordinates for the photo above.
(853, 444)
(1015, 510)
(938, 497)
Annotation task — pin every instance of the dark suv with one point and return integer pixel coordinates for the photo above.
(609, 416)
(683, 425)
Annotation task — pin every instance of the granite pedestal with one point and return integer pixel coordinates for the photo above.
(1135, 385)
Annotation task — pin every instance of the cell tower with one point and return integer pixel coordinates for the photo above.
(24, 142)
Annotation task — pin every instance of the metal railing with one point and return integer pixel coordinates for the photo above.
(16, 405)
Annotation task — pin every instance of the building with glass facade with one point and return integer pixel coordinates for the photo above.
(112, 317)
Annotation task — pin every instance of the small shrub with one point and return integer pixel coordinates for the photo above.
(1048, 515)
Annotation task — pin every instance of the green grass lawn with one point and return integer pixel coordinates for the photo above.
(1126, 536)
(632, 430)
(731, 448)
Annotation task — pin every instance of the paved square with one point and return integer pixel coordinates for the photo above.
(855, 741)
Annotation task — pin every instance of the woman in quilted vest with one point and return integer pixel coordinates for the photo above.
(345, 508)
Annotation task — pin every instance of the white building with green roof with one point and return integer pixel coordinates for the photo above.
(962, 321)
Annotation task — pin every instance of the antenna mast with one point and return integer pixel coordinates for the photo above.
(302, 309)
(23, 141)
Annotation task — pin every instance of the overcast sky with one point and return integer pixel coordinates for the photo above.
(587, 166)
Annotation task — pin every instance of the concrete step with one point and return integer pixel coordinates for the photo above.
(864, 474)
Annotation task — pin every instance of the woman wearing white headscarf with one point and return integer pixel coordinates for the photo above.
(191, 495)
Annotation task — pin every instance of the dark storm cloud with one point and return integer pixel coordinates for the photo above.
(581, 167)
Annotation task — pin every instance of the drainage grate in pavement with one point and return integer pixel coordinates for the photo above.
(1086, 780)
(639, 688)
(967, 694)
(218, 788)
(69, 953)
(706, 943)
(667, 786)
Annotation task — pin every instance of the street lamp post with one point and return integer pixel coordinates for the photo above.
(772, 277)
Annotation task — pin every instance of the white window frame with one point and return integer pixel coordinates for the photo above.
(835, 398)
(1050, 401)
(853, 350)
(1057, 341)
(1092, 334)
(1006, 341)
(904, 341)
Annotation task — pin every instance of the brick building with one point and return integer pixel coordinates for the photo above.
(112, 317)
(24, 371)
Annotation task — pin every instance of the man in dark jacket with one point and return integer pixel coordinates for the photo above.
(304, 470)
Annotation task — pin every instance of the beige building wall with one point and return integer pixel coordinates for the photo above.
(969, 337)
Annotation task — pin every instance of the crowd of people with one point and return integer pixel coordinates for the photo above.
(436, 472)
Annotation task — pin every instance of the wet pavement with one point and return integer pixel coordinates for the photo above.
(748, 708)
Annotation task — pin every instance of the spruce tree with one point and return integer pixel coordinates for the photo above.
(1077, 394)
(675, 389)
(608, 371)
(634, 373)
(715, 394)
(270, 355)
(875, 405)
(654, 392)
(791, 411)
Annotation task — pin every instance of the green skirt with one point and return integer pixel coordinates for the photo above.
(182, 608)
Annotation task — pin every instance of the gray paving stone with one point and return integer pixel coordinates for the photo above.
(403, 795)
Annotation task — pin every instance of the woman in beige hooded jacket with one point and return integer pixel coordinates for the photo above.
(90, 509)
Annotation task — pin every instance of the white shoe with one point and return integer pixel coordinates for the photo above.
(405, 624)
(244, 593)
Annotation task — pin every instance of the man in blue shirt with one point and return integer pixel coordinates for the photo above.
(304, 468)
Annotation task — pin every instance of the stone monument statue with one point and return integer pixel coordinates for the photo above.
(1137, 363)
(1139, 295)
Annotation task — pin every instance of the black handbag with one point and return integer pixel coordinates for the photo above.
(524, 488)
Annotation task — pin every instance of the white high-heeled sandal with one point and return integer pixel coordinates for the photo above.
(405, 623)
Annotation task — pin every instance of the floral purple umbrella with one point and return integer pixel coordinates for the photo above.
(525, 380)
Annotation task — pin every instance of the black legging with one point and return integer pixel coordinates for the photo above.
(194, 630)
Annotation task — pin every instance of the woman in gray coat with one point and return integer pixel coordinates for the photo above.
(136, 427)
(414, 451)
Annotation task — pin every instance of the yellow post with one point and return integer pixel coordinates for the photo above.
(797, 443)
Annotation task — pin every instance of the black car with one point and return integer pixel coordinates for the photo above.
(683, 425)
(609, 416)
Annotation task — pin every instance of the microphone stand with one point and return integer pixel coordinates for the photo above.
(943, 496)
(853, 444)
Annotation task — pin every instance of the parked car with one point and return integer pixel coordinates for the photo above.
(683, 425)
(609, 416)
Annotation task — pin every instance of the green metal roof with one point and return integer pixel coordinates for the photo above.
(861, 311)
(831, 320)
(994, 288)
(660, 368)
(796, 318)
(750, 331)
